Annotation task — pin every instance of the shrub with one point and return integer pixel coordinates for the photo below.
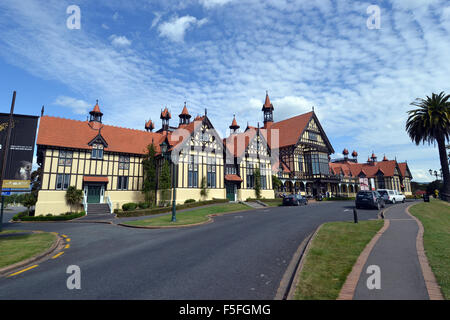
(49, 217)
(189, 201)
(129, 206)
(143, 205)
(151, 211)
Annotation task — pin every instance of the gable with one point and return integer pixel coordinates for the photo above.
(313, 134)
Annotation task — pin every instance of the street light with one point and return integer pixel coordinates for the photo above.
(435, 173)
(174, 195)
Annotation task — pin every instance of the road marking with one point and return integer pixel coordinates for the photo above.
(67, 246)
(57, 255)
(16, 273)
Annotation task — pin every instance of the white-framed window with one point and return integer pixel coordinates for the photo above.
(211, 172)
(124, 162)
(65, 158)
(122, 183)
(193, 172)
(250, 176)
(62, 181)
(97, 151)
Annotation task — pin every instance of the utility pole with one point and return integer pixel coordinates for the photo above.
(5, 157)
(174, 194)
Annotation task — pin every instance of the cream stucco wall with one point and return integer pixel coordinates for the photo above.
(183, 194)
(52, 202)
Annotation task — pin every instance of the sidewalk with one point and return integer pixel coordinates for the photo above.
(396, 255)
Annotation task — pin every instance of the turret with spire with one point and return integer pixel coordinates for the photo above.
(165, 117)
(96, 114)
(185, 117)
(149, 126)
(234, 126)
(268, 112)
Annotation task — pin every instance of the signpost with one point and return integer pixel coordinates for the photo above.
(17, 138)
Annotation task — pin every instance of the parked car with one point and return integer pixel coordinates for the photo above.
(294, 200)
(392, 196)
(371, 199)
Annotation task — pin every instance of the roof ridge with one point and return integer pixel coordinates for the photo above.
(303, 114)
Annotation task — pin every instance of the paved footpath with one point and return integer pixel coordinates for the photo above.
(396, 255)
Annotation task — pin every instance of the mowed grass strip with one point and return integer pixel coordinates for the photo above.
(18, 248)
(435, 218)
(331, 257)
(189, 217)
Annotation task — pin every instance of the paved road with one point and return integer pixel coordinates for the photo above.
(240, 256)
(396, 255)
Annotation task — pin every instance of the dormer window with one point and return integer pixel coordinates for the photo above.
(97, 151)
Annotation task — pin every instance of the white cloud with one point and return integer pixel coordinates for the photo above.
(176, 28)
(306, 53)
(119, 41)
(213, 3)
(156, 19)
(77, 106)
(105, 26)
(116, 16)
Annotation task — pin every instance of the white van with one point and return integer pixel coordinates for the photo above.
(392, 196)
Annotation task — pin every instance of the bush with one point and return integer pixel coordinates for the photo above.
(49, 217)
(143, 205)
(189, 201)
(129, 206)
(151, 211)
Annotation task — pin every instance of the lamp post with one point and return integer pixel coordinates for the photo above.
(435, 173)
(174, 195)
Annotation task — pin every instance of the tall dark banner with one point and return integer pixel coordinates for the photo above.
(20, 155)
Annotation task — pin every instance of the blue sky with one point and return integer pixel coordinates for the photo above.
(137, 57)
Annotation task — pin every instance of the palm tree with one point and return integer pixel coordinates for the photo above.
(73, 197)
(431, 123)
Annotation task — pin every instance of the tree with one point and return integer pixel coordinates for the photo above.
(73, 197)
(36, 181)
(257, 186)
(149, 165)
(203, 188)
(276, 182)
(165, 182)
(28, 201)
(431, 123)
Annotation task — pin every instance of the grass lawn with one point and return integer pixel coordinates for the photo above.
(435, 217)
(331, 257)
(18, 248)
(189, 217)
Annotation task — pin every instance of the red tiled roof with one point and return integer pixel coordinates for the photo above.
(237, 143)
(95, 179)
(96, 108)
(234, 124)
(185, 111)
(165, 114)
(60, 132)
(267, 103)
(233, 177)
(369, 169)
(289, 129)
(149, 125)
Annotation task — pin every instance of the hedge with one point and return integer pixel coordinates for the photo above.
(22, 216)
(147, 212)
(339, 199)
